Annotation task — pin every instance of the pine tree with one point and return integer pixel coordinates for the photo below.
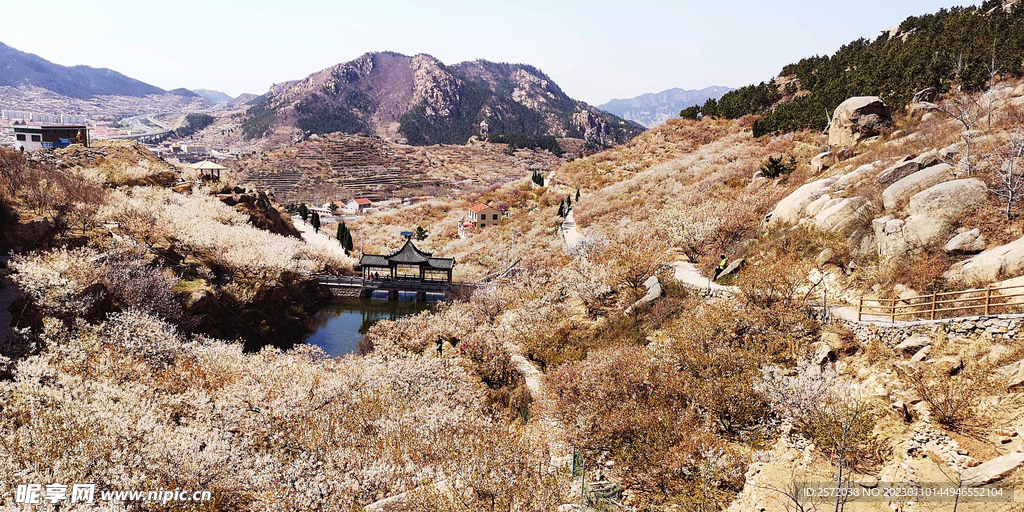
(577, 195)
(421, 234)
(561, 209)
(568, 203)
(347, 243)
(342, 229)
(316, 222)
(303, 212)
(775, 167)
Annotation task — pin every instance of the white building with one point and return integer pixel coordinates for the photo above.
(358, 206)
(33, 137)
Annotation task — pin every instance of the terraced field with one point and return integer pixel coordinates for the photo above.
(374, 168)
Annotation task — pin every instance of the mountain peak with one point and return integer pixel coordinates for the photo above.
(420, 100)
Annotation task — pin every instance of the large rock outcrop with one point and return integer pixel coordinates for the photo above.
(897, 172)
(968, 242)
(934, 211)
(896, 195)
(996, 263)
(858, 118)
(791, 209)
(840, 215)
(889, 237)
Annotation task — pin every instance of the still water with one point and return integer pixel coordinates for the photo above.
(338, 328)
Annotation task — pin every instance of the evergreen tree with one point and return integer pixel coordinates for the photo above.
(345, 237)
(690, 112)
(577, 195)
(775, 167)
(561, 209)
(316, 222)
(710, 108)
(568, 203)
(421, 234)
(303, 212)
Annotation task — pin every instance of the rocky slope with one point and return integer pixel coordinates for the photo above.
(420, 100)
(652, 109)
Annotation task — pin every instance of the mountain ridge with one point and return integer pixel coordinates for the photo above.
(653, 108)
(18, 68)
(420, 100)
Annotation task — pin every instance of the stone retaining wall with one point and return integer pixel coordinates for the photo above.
(995, 327)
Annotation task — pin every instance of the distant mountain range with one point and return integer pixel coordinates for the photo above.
(652, 109)
(215, 97)
(18, 68)
(419, 100)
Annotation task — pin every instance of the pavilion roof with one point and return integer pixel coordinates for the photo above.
(409, 254)
(207, 165)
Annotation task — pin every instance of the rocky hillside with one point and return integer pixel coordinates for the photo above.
(652, 109)
(18, 68)
(419, 100)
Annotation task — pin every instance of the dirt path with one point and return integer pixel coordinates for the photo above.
(570, 234)
(549, 430)
(319, 239)
(686, 273)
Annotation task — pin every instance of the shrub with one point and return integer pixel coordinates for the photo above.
(776, 167)
(952, 399)
(828, 410)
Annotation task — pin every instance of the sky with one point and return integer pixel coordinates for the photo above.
(595, 50)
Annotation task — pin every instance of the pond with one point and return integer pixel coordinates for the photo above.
(340, 327)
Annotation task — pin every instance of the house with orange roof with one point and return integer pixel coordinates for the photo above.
(481, 216)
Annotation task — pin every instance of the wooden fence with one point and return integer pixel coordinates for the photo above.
(986, 301)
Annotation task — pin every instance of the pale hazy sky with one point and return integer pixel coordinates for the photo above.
(595, 50)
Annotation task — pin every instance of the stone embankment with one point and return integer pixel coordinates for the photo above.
(996, 327)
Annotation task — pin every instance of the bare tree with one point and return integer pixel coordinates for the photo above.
(967, 110)
(1007, 163)
(633, 257)
(993, 72)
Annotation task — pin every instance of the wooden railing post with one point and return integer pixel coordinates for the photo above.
(988, 299)
(933, 304)
(892, 311)
(860, 308)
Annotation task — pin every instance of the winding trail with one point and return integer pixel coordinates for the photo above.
(543, 410)
(570, 234)
(318, 239)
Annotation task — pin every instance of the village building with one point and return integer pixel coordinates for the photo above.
(481, 216)
(358, 205)
(324, 212)
(47, 136)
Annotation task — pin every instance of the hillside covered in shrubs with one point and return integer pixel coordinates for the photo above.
(601, 362)
(959, 46)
